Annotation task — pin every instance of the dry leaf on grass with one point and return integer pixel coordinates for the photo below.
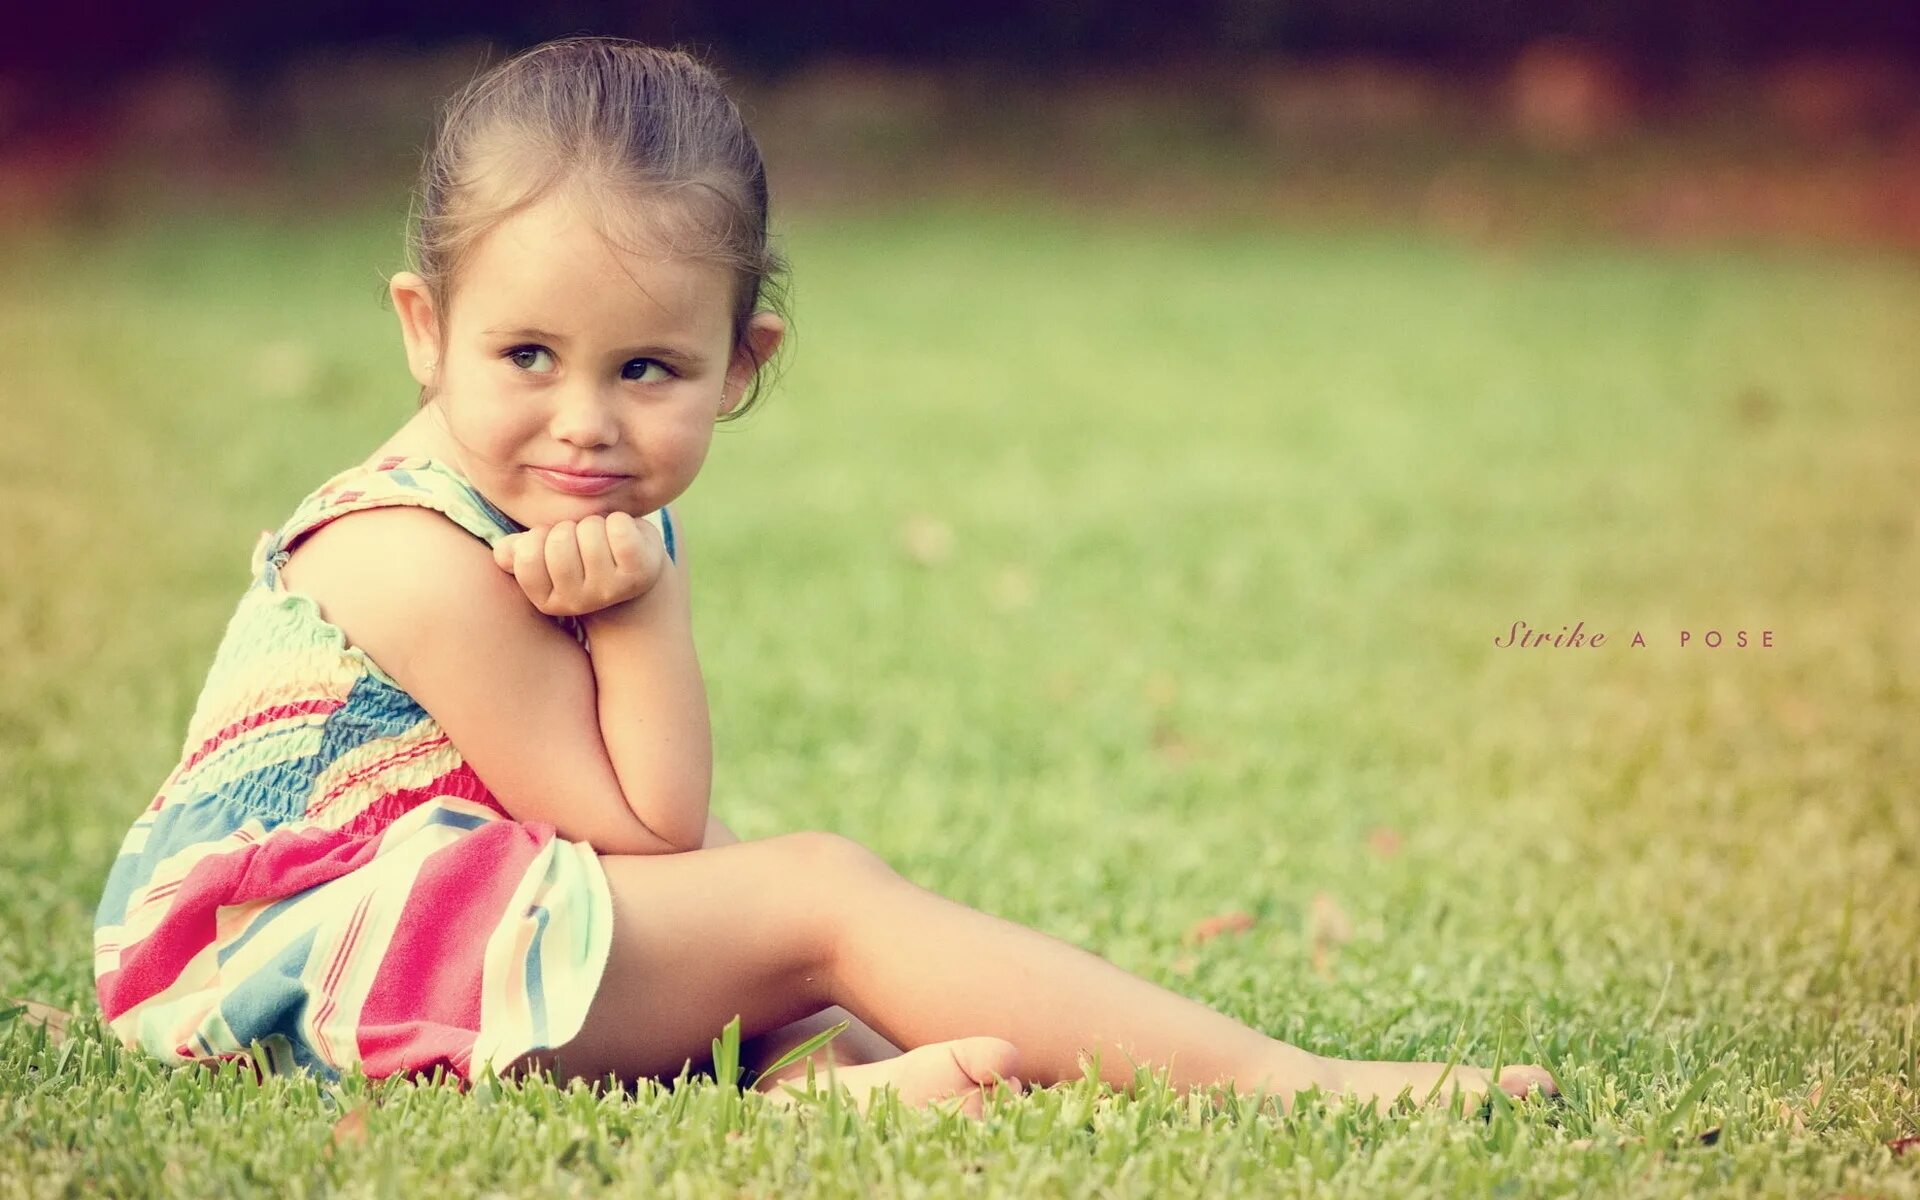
(927, 540)
(1798, 716)
(1901, 1145)
(1328, 927)
(1161, 689)
(1212, 927)
(1012, 589)
(1793, 1117)
(1171, 746)
(1384, 841)
(349, 1129)
(1063, 687)
(53, 1019)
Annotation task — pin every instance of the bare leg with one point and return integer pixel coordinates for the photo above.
(774, 930)
(919, 966)
(855, 1045)
(738, 930)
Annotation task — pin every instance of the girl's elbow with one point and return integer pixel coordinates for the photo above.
(640, 840)
(687, 830)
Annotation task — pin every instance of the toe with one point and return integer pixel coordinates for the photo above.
(1517, 1081)
(986, 1059)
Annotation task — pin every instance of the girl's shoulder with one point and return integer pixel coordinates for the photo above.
(373, 578)
(397, 480)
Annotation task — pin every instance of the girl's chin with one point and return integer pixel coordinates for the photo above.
(553, 509)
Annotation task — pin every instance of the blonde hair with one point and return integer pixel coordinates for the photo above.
(624, 128)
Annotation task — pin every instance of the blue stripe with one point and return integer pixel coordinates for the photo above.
(259, 922)
(536, 991)
(374, 709)
(446, 816)
(499, 518)
(666, 527)
(208, 817)
(127, 872)
(276, 791)
(280, 791)
(269, 1004)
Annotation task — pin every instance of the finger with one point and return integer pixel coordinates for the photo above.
(626, 541)
(563, 558)
(530, 566)
(503, 551)
(595, 555)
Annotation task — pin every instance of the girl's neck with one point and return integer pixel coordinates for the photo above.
(418, 438)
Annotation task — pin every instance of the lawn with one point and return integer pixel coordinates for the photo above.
(1110, 578)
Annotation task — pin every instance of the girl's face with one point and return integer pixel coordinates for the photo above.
(568, 354)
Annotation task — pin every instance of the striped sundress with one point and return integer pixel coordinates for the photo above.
(322, 880)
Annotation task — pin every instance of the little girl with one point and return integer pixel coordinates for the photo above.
(444, 798)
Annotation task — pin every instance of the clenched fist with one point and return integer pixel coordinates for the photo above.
(578, 567)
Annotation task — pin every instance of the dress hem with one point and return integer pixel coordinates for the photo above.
(569, 1024)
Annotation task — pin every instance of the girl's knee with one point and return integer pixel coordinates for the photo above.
(835, 856)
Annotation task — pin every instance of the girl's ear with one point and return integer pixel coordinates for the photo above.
(763, 333)
(419, 326)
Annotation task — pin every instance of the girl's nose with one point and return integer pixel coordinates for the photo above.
(584, 418)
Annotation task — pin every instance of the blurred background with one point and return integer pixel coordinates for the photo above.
(1186, 398)
(1665, 120)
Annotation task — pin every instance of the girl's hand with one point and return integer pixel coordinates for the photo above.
(574, 568)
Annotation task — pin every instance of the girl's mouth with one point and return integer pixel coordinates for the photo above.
(578, 485)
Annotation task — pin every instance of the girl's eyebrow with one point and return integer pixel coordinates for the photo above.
(665, 351)
(530, 331)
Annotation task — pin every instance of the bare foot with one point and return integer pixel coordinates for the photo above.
(1465, 1086)
(964, 1067)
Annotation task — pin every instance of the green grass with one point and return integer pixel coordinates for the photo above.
(1236, 516)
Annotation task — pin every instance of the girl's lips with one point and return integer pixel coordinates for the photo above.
(579, 485)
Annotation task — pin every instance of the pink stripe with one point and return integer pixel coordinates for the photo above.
(333, 977)
(424, 1005)
(461, 783)
(372, 768)
(346, 947)
(324, 704)
(287, 861)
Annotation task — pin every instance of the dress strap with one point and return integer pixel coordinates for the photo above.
(401, 479)
(397, 479)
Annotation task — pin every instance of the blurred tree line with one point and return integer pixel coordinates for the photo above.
(1648, 118)
(97, 40)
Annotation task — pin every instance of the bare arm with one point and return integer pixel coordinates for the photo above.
(653, 708)
(513, 692)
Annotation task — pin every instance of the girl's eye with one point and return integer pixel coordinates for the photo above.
(643, 364)
(523, 357)
(514, 356)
